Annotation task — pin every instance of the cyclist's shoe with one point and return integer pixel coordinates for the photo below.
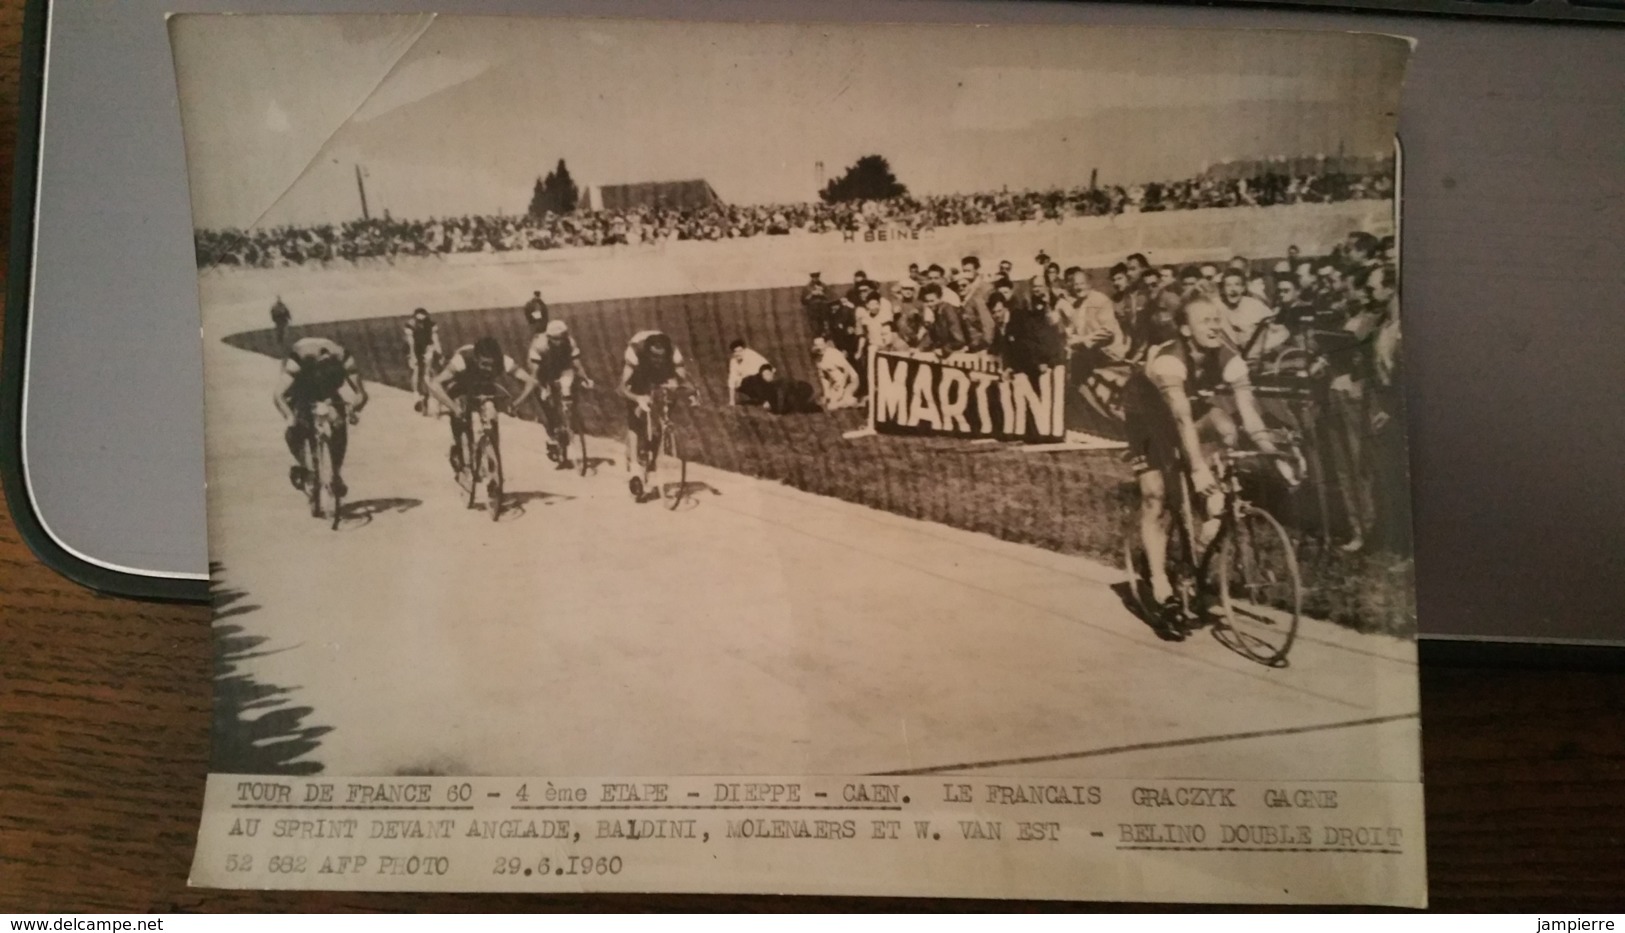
(1169, 623)
(565, 464)
(553, 451)
(635, 485)
(456, 458)
(339, 489)
(296, 476)
(418, 406)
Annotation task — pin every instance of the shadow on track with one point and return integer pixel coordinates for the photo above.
(515, 504)
(681, 497)
(255, 730)
(360, 513)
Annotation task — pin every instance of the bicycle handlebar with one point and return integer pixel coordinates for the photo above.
(473, 401)
(1257, 454)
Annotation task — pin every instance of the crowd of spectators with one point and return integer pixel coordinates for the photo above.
(1319, 333)
(388, 238)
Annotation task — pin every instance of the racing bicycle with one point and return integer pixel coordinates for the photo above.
(423, 368)
(1244, 581)
(663, 436)
(322, 486)
(481, 449)
(562, 418)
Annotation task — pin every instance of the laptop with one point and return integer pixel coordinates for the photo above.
(1513, 254)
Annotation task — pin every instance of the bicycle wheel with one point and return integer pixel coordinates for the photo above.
(562, 435)
(674, 452)
(574, 421)
(1252, 569)
(489, 455)
(471, 464)
(330, 483)
(314, 457)
(648, 447)
(1182, 571)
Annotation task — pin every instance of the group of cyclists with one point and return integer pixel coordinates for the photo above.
(318, 371)
(1174, 418)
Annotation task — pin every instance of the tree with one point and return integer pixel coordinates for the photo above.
(868, 179)
(557, 193)
(538, 199)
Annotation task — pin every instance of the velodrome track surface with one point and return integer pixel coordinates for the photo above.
(762, 631)
(765, 630)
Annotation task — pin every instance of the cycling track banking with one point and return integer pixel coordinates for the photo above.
(764, 630)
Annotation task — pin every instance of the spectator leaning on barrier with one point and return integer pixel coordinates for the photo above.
(1088, 319)
(936, 275)
(854, 295)
(836, 374)
(1162, 318)
(978, 316)
(912, 318)
(1054, 282)
(868, 319)
(954, 329)
(970, 273)
(1291, 310)
(1129, 302)
(1137, 264)
(764, 389)
(1030, 343)
(1095, 341)
(942, 334)
(889, 341)
(1248, 322)
(1118, 277)
(759, 389)
(841, 329)
(1304, 272)
(1258, 286)
(1360, 251)
(886, 306)
(1150, 281)
(875, 313)
(742, 362)
(1329, 289)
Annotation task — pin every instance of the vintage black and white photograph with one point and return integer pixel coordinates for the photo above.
(614, 397)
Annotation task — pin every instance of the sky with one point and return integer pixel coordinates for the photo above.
(459, 114)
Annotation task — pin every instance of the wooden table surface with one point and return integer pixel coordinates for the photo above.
(104, 740)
